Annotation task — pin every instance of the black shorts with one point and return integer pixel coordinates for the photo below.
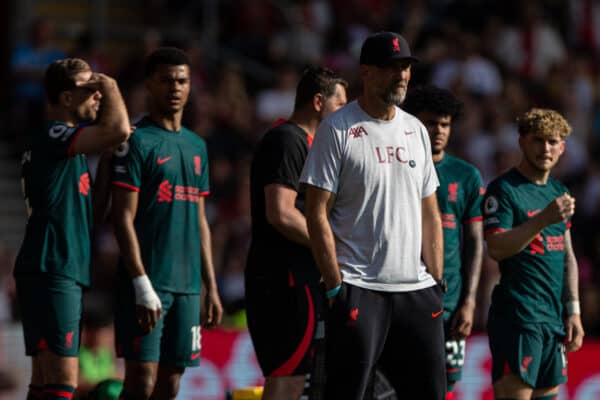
(400, 332)
(282, 319)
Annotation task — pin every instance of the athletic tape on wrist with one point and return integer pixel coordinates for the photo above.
(573, 307)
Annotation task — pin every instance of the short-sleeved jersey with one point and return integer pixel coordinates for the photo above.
(169, 170)
(459, 199)
(57, 189)
(278, 159)
(379, 172)
(531, 281)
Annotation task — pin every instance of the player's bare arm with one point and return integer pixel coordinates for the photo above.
(432, 247)
(505, 244)
(282, 214)
(462, 321)
(112, 127)
(573, 323)
(321, 235)
(213, 310)
(148, 305)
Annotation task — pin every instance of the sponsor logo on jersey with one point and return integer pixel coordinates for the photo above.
(491, 205)
(532, 213)
(161, 161)
(555, 243)
(354, 314)
(165, 192)
(408, 132)
(537, 245)
(120, 169)
(187, 193)
(452, 191)
(195, 356)
(357, 132)
(436, 314)
(84, 184)
(389, 154)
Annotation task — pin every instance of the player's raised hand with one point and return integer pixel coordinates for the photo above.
(462, 321)
(575, 333)
(97, 81)
(213, 310)
(560, 208)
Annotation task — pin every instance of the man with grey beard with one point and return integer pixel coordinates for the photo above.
(376, 234)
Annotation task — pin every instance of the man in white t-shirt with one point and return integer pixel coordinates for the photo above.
(376, 235)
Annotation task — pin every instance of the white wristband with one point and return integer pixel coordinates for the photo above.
(573, 307)
(144, 293)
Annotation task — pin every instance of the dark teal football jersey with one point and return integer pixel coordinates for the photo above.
(169, 170)
(459, 198)
(57, 190)
(531, 281)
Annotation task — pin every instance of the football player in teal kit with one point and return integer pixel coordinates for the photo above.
(459, 199)
(53, 265)
(535, 315)
(160, 179)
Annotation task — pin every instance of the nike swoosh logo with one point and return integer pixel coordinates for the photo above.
(195, 356)
(160, 161)
(409, 132)
(532, 213)
(436, 314)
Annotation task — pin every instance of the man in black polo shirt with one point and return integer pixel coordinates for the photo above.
(282, 281)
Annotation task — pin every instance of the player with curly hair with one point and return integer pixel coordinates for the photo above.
(535, 314)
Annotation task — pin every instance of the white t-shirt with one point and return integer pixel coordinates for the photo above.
(379, 172)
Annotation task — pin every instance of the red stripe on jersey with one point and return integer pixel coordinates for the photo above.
(494, 230)
(205, 193)
(474, 219)
(71, 149)
(126, 186)
(288, 367)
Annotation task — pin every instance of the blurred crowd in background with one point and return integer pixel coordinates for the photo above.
(499, 58)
